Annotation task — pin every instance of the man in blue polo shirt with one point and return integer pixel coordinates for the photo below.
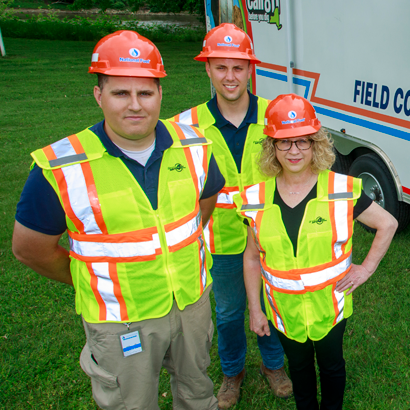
(132, 192)
(233, 120)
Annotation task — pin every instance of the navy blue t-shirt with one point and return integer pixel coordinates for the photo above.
(235, 137)
(39, 208)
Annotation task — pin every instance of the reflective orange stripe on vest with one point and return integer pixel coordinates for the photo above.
(64, 152)
(107, 291)
(254, 198)
(138, 246)
(340, 186)
(307, 280)
(197, 155)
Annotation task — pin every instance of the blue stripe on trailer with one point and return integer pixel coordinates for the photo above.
(363, 123)
(284, 78)
(280, 77)
(304, 83)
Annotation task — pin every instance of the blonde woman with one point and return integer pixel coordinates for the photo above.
(300, 226)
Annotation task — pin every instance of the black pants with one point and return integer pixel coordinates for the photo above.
(329, 355)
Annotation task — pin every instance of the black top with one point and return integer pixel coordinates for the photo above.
(292, 217)
(235, 136)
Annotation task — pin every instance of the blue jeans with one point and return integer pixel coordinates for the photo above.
(230, 297)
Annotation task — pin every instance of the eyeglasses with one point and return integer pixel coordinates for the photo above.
(286, 145)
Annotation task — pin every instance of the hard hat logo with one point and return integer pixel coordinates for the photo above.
(228, 45)
(294, 121)
(133, 60)
(134, 52)
(292, 115)
(228, 39)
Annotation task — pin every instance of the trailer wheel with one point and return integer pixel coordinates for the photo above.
(342, 163)
(378, 184)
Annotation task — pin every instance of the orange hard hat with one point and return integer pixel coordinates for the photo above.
(126, 53)
(227, 41)
(290, 115)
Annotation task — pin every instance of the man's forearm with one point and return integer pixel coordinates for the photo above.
(42, 253)
(207, 207)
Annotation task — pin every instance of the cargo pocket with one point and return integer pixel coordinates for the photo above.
(106, 390)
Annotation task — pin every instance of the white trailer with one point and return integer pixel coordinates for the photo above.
(350, 60)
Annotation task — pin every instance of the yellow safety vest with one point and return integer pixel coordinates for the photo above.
(128, 260)
(300, 291)
(225, 233)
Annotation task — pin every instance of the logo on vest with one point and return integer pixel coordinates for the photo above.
(259, 141)
(177, 167)
(319, 220)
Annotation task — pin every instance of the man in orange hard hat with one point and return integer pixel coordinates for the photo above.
(133, 193)
(233, 120)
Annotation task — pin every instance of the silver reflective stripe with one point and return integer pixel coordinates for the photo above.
(76, 186)
(226, 197)
(184, 231)
(207, 235)
(281, 327)
(67, 160)
(252, 197)
(197, 153)
(252, 206)
(105, 287)
(316, 278)
(202, 255)
(186, 117)
(308, 279)
(190, 135)
(198, 158)
(192, 141)
(341, 195)
(340, 297)
(63, 148)
(79, 200)
(340, 216)
(280, 283)
(116, 250)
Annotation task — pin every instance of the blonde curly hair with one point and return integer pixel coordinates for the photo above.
(323, 155)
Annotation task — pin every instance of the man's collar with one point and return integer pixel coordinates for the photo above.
(163, 139)
(251, 116)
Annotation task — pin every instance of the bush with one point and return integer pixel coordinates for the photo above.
(49, 27)
(82, 5)
(176, 6)
(5, 8)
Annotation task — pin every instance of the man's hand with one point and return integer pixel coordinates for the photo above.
(258, 323)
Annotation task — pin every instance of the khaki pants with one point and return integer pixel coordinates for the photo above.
(179, 341)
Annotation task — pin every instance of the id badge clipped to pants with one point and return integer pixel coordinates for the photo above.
(131, 342)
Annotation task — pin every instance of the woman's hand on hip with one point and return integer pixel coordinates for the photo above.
(357, 275)
(258, 323)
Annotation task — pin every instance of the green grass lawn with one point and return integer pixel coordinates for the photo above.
(45, 95)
